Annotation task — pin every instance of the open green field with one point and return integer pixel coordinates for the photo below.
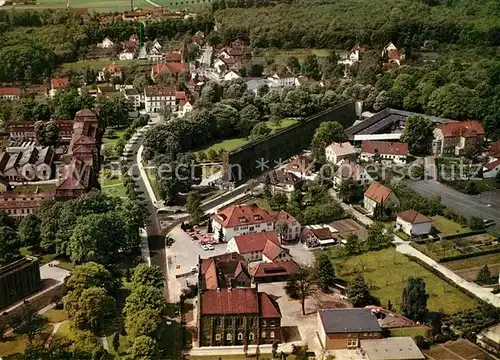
(387, 272)
(448, 227)
(231, 144)
(413, 331)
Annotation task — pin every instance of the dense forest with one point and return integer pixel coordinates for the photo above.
(341, 23)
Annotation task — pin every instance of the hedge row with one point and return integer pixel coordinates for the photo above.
(470, 255)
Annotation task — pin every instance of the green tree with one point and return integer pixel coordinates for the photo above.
(451, 101)
(147, 322)
(29, 230)
(143, 297)
(418, 134)
(193, 207)
(325, 272)
(249, 117)
(144, 348)
(281, 229)
(378, 237)
(25, 62)
(47, 133)
(327, 133)
(358, 292)
(301, 286)
(471, 188)
(97, 237)
(113, 111)
(68, 101)
(293, 64)
(9, 244)
(475, 223)
(259, 131)
(310, 67)
(94, 310)
(349, 191)
(147, 275)
(484, 276)
(90, 275)
(353, 245)
(29, 323)
(414, 299)
(278, 201)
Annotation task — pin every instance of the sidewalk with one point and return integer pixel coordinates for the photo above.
(145, 178)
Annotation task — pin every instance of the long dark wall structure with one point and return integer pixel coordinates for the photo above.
(18, 279)
(252, 159)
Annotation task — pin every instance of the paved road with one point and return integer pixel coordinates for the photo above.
(466, 205)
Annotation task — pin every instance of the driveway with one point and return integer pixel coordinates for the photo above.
(463, 204)
(300, 254)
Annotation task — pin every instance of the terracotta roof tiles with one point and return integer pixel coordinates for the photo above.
(378, 192)
(255, 242)
(384, 147)
(413, 217)
(461, 128)
(242, 215)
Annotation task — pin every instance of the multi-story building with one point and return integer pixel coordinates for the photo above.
(384, 151)
(133, 96)
(378, 194)
(458, 138)
(336, 152)
(237, 317)
(20, 205)
(344, 328)
(58, 83)
(263, 246)
(159, 97)
(27, 164)
(280, 181)
(293, 226)
(223, 271)
(241, 219)
(26, 130)
(350, 170)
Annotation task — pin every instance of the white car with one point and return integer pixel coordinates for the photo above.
(210, 247)
(204, 247)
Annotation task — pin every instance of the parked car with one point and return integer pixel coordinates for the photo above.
(204, 247)
(210, 247)
(489, 223)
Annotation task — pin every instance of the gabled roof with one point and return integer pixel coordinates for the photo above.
(14, 91)
(172, 67)
(85, 113)
(349, 170)
(272, 250)
(269, 309)
(229, 301)
(301, 163)
(255, 242)
(285, 217)
(242, 215)
(281, 268)
(413, 217)
(75, 176)
(280, 178)
(394, 55)
(180, 95)
(219, 271)
(112, 68)
(344, 148)
(341, 321)
(174, 56)
(159, 91)
(59, 82)
(378, 192)
(384, 147)
(462, 128)
(492, 165)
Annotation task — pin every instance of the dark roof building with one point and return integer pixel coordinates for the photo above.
(223, 271)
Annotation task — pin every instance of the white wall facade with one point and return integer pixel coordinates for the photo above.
(414, 229)
(396, 159)
(156, 103)
(231, 232)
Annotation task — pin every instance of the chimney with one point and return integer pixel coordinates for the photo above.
(218, 289)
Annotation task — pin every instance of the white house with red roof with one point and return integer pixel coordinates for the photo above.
(491, 169)
(57, 83)
(263, 246)
(352, 56)
(113, 70)
(394, 55)
(413, 223)
(293, 226)
(350, 170)
(384, 151)
(241, 219)
(340, 151)
(10, 93)
(159, 97)
(378, 194)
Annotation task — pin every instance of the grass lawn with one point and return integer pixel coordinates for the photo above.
(65, 331)
(473, 262)
(415, 331)
(45, 258)
(387, 271)
(30, 189)
(124, 346)
(13, 345)
(448, 227)
(55, 315)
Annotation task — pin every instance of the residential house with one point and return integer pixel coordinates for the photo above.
(126, 55)
(258, 246)
(319, 235)
(345, 328)
(223, 271)
(280, 181)
(241, 219)
(293, 227)
(273, 271)
(184, 107)
(112, 70)
(335, 152)
(167, 70)
(378, 194)
(302, 166)
(106, 43)
(174, 56)
(491, 169)
(231, 75)
(384, 151)
(159, 97)
(353, 56)
(10, 93)
(233, 317)
(154, 54)
(394, 55)
(106, 90)
(489, 339)
(413, 223)
(458, 138)
(26, 130)
(133, 96)
(393, 348)
(283, 78)
(351, 171)
(57, 83)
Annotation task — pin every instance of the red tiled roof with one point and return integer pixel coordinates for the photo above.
(378, 192)
(60, 82)
(281, 268)
(323, 233)
(242, 215)
(255, 242)
(229, 301)
(268, 307)
(348, 170)
(10, 91)
(494, 149)
(462, 128)
(272, 250)
(413, 217)
(113, 68)
(85, 113)
(493, 164)
(384, 147)
(180, 95)
(302, 164)
(172, 67)
(285, 217)
(211, 275)
(160, 91)
(75, 176)
(173, 56)
(359, 48)
(394, 55)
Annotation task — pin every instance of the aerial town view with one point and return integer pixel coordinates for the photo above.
(261, 179)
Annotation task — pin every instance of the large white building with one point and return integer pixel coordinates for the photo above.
(340, 151)
(159, 97)
(293, 226)
(241, 219)
(384, 151)
(263, 246)
(413, 223)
